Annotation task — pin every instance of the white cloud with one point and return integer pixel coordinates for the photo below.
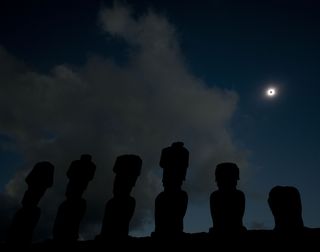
(108, 110)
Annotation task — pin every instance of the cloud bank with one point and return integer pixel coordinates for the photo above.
(107, 109)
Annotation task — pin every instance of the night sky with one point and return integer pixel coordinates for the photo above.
(135, 76)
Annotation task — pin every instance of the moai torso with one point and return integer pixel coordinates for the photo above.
(227, 204)
(27, 217)
(71, 211)
(171, 204)
(120, 209)
(170, 209)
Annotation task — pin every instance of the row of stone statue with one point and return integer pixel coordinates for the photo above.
(227, 203)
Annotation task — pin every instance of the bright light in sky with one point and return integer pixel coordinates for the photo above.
(271, 92)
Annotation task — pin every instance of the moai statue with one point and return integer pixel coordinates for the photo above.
(26, 219)
(227, 204)
(72, 210)
(286, 207)
(171, 204)
(119, 210)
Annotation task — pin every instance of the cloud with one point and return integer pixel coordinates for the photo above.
(107, 110)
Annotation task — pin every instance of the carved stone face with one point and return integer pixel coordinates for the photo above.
(123, 184)
(172, 179)
(286, 207)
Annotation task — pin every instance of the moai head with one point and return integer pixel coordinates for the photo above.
(286, 207)
(38, 180)
(174, 161)
(227, 176)
(127, 169)
(80, 173)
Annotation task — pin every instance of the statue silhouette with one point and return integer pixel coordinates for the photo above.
(71, 211)
(227, 204)
(171, 204)
(119, 210)
(285, 205)
(26, 219)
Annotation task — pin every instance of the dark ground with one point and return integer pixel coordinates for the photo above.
(251, 240)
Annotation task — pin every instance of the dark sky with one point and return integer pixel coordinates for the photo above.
(237, 46)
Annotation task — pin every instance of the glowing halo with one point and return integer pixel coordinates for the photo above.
(271, 92)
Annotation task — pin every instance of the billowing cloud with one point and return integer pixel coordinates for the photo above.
(107, 109)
